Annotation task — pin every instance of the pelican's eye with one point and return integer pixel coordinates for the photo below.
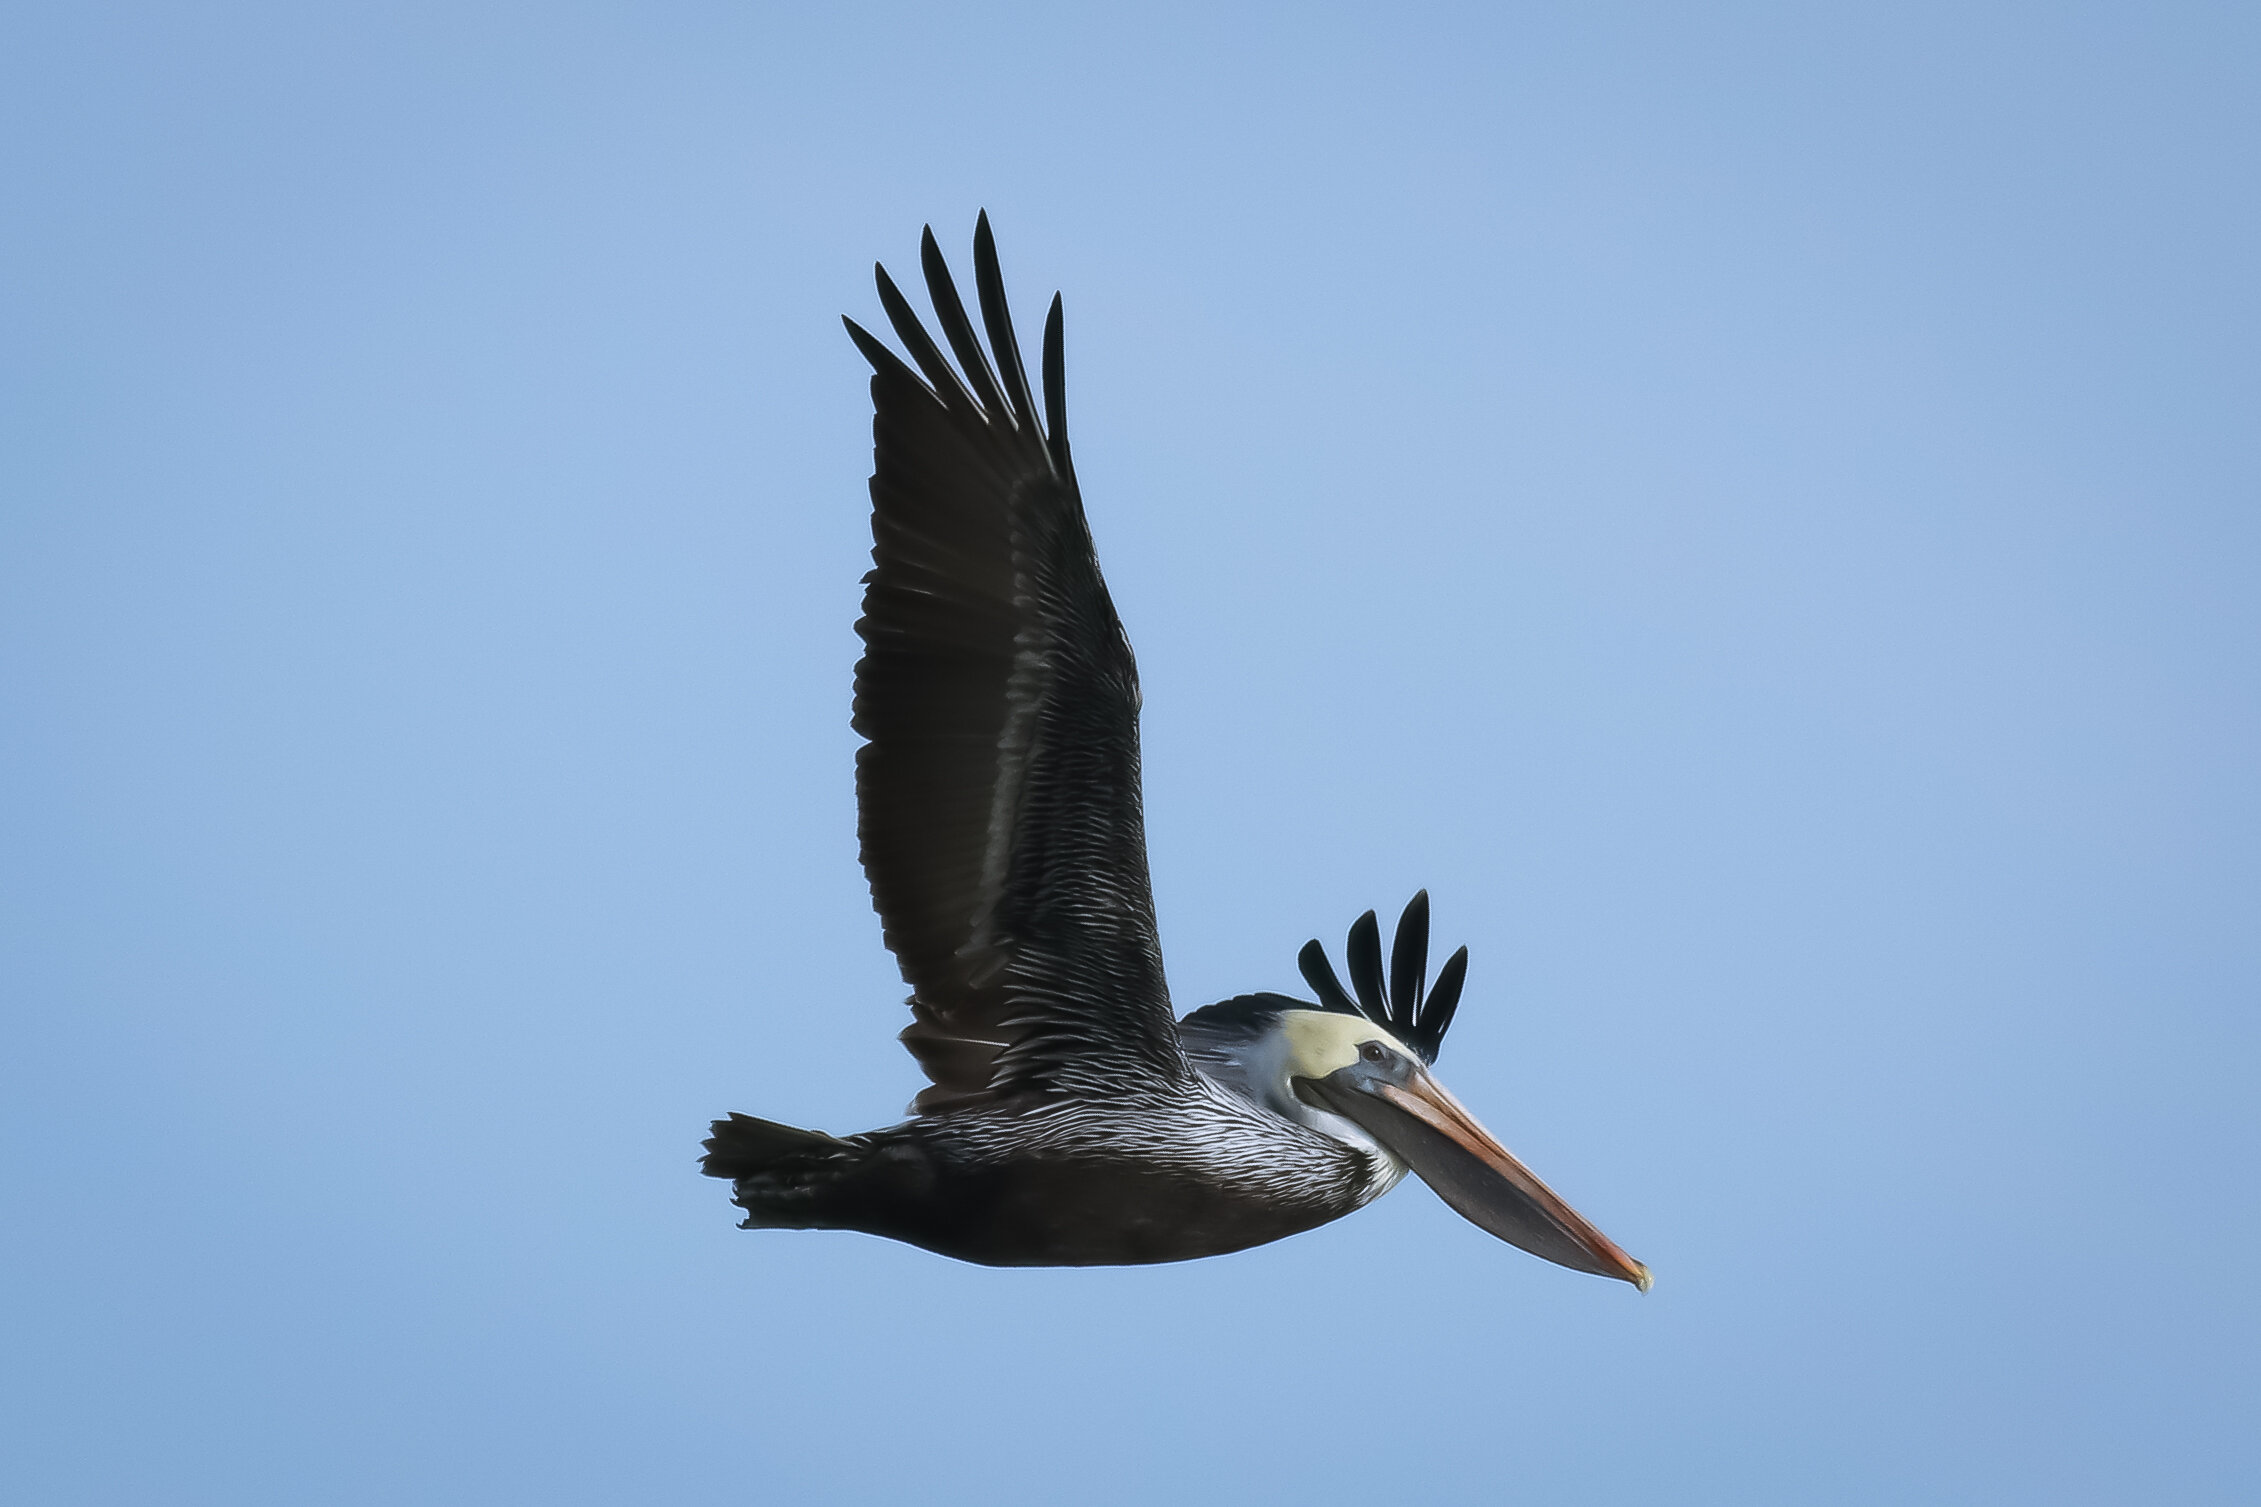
(1374, 1051)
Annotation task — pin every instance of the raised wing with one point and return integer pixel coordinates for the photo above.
(998, 794)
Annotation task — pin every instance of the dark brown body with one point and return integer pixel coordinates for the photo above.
(1060, 1185)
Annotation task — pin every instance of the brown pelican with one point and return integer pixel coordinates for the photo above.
(1071, 1119)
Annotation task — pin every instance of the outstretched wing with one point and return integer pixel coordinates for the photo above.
(998, 794)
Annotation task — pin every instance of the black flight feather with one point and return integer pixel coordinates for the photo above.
(884, 362)
(1409, 957)
(1320, 975)
(940, 375)
(1363, 951)
(1056, 393)
(950, 313)
(997, 315)
(1436, 1012)
(1419, 1023)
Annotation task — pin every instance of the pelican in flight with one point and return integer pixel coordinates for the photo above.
(1071, 1118)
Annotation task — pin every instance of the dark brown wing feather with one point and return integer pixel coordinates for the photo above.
(998, 794)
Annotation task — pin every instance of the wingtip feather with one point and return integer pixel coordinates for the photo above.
(997, 317)
(1320, 975)
(1363, 952)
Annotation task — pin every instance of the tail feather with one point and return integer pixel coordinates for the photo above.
(743, 1146)
(788, 1178)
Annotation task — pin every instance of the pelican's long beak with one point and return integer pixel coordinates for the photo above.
(1481, 1179)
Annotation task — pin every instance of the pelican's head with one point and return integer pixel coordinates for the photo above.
(1350, 1067)
(1341, 1069)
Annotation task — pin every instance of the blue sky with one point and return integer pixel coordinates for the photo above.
(1757, 508)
